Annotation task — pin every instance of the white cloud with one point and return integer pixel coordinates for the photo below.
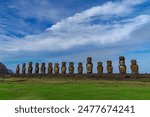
(78, 31)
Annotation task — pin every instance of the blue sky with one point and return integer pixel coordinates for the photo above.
(71, 30)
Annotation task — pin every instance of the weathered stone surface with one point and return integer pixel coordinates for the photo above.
(24, 68)
(71, 68)
(4, 70)
(89, 66)
(63, 68)
(134, 67)
(37, 68)
(43, 68)
(100, 67)
(30, 68)
(122, 66)
(56, 68)
(50, 68)
(80, 68)
(109, 67)
(18, 69)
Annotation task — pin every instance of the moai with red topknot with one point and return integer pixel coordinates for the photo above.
(89, 66)
(122, 66)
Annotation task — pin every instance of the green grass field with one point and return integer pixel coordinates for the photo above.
(72, 89)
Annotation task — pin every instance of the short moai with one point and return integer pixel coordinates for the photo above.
(50, 68)
(18, 69)
(37, 68)
(89, 65)
(30, 68)
(134, 67)
(43, 68)
(100, 67)
(109, 67)
(122, 66)
(80, 68)
(63, 68)
(23, 68)
(71, 68)
(56, 68)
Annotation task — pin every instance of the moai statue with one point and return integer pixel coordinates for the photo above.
(71, 68)
(43, 68)
(122, 66)
(109, 67)
(56, 68)
(80, 68)
(63, 68)
(134, 67)
(100, 67)
(18, 69)
(89, 66)
(24, 68)
(50, 68)
(37, 68)
(30, 68)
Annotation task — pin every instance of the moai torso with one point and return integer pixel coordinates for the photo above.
(134, 67)
(43, 68)
(71, 68)
(122, 66)
(50, 68)
(30, 68)
(89, 65)
(24, 68)
(37, 68)
(63, 68)
(80, 68)
(100, 67)
(109, 67)
(56, 68)
(18, 69)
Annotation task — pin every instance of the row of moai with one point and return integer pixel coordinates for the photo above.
(89, 67)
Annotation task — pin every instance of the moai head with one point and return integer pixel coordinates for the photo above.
(37, 68)
(56, 68)
(71, 68)
(80, 68)
(109, 66)
(89, 60)
(63, 68)
(18, 69)
(109, 62)
(50, 65)
(50, 68)
(24, 68)
(122, 60)
(134, 67)
(100, 67)
(30, 63)
(133, 62)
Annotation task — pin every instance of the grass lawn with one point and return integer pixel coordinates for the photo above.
(72, 89)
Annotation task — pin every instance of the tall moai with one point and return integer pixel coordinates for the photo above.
(100, 67)
(109, 67)
(134, 67)
(122, 66)
(30, 68)
(80, 68)
(63, 68)
(89, 65)
(43, 68)
(71, 68)
(37, 68)
(56, 68)
(23, 68)
(50, 68)
(18, 69)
